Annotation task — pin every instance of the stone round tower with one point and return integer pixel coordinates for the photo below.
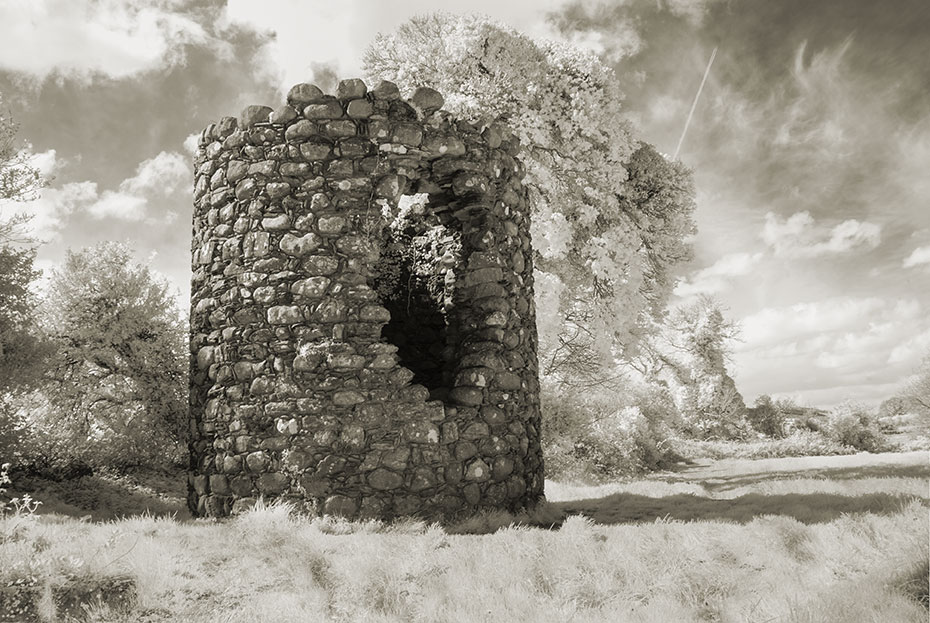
(363, 333)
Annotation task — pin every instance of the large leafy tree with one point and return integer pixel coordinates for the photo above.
(21, 349)
(19, 180)
(689, 354)
(611, 216)
(916, 393)
(118, 374)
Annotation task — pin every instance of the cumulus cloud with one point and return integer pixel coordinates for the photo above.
(46, 162)
(920, 255)
(113, 38)
(313, 33)
(829, 350)
(773, 325)
(800, 236)
(53, 206)
(312, 40)
(718, 277)
(166, 174)
(191, 142)
(912, 349)
(163, 175)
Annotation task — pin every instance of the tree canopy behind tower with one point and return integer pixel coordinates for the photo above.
(611, 216)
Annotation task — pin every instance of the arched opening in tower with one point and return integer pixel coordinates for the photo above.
(420, 249)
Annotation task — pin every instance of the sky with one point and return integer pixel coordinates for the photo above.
(810, 144)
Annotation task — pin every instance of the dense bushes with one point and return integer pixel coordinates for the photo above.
(852, 425)
(597, 436)
(766, 418)
(594, 436)
(800, 442)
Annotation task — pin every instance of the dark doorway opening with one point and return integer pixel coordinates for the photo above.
(418, 250)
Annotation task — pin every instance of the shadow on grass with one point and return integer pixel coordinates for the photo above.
(103, 498)
(808, 508)
(714, 481)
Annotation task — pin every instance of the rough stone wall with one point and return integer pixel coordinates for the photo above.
(373, 355)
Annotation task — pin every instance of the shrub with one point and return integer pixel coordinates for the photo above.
(852, 425)
(115, 387)
(766, 418)
(24, 505)
(595, 437)
(800, 442)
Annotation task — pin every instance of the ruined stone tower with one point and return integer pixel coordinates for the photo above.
(362, 325)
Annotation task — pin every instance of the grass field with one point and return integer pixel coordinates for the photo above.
(815, 539)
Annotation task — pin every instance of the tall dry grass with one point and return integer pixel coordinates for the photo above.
(272, 565)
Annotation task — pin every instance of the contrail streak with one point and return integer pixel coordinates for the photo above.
(694, 103)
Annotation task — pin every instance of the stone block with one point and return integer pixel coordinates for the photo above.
(311, 287)
(423, 478)
(303, 94)
(330, 109)
(331, 225)
(251, 115)
(272, 483)
(351, 88)
(283, 114)
(341, 506)
(277, 190)
(477, 471)
(340, 128)
(374, 313)
(300, 246)
(353, 438)
(347, 398)
(465, 395)
(385, 480)
(317, 265)
(426, 100)
(219, 484)
(315, 151)
(475, 431)
(409, 134)
(277, 222)
(502, 468)
(296, 169)
(236, 170)
(396, 459)
(256, 461)
(246, 189)
(508, 381)
(285, 314)
(359, 109)
(421, 432)
(385, 90)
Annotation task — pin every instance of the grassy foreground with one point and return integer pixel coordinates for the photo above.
(714, 543)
